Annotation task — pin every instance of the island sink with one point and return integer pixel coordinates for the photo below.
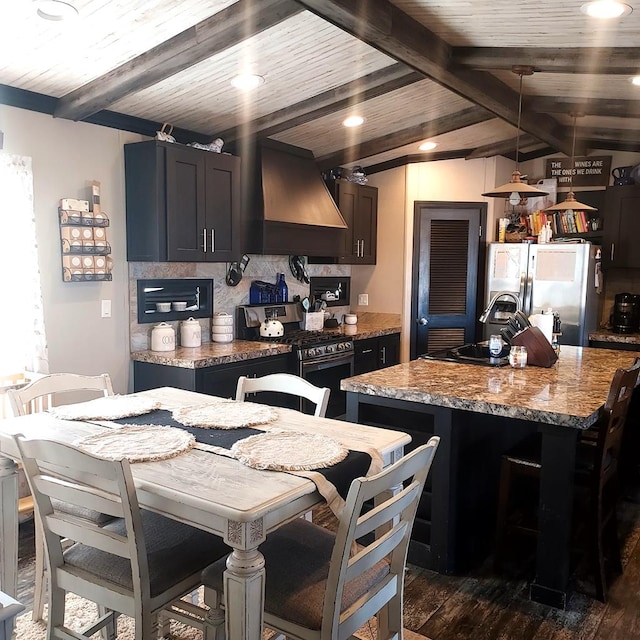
(472, 353)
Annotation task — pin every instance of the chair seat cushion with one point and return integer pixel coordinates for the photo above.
(81, 512)
(297, 558)
(175, 551)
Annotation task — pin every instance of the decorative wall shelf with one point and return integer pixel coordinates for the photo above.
(83, 239)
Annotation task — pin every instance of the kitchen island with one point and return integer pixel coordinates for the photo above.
(479, 412)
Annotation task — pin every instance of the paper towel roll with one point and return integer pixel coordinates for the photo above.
(544, 322)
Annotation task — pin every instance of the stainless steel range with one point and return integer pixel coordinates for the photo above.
(321, 357)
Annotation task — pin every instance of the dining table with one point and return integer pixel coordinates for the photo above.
(216, 493)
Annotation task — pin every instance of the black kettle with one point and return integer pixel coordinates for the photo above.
(622, 176)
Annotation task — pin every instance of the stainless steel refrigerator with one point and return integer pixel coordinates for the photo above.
(559, 276)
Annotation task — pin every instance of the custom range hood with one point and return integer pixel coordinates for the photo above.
(288, 208)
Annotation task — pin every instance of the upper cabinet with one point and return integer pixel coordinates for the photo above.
(622, 227)
(358, 205)
(183, 204)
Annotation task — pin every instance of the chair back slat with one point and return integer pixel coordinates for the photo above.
(77, 529)
(93, 498)
(38, 395)
(392, 518)
(285, 383)
(378, 550)
(386, 512)
(358, 614)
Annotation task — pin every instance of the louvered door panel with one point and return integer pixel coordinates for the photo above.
(446, 267)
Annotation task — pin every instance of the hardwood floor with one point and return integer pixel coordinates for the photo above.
(484, 606)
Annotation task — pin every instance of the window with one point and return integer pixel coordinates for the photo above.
(22, 338)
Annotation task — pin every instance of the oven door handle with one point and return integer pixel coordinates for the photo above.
(326, 363)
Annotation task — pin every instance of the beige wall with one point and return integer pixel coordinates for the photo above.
(384, 281)
(66, 157)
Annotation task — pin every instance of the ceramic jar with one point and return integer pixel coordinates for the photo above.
(163, 337)
(190, 333)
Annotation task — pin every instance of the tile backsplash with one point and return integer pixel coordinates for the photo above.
(225, 298)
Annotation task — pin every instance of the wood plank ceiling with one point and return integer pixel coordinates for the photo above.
(416, 70)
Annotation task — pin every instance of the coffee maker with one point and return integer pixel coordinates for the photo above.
(624, 316)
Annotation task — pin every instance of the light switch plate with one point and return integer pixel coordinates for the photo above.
(363, 299)
(105, 309)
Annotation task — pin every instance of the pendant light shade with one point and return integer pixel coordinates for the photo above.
(516, 190)
(570, 203)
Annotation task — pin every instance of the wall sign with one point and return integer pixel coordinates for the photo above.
(587, 171)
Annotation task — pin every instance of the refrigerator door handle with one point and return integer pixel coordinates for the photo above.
(526, 303)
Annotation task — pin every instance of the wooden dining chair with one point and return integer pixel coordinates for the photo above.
(288, 384)
(37, 396)
(316, 586)
(597, 467)
(135, 565)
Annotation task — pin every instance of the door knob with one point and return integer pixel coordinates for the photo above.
(423, 321)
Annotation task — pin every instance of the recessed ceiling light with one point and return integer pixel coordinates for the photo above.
(428, 146)
(353, 121)
(606, 9)
(635, 80)
(246, 81)
(55, 9)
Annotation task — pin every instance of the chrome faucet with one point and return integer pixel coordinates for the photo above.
(485, 314)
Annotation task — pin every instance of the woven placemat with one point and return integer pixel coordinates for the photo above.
(138, 444)
(225, 415)
(107, 408)
(289, 451)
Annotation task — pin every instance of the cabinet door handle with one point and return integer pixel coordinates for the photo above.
(613, 249)
(204, 240)
(383, 353)
(362, 249)
(366, 351)
(213, 241)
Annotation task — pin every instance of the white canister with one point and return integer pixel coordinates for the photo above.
(190, 333)
(163, 337)
(222, 320)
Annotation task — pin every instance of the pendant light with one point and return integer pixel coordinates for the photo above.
(570, 204)
(516, 190)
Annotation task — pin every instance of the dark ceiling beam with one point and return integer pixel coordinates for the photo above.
(617, 60)
(409, 159)
(501, 148)
(615, 145)
(587, 107)
(465, 118)
(536, 153)
(395, 76)
(23, 99)
(602, 133)
(226, 28)
(389, 30)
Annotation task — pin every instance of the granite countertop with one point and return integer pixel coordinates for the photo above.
(606, 335)
(370, 325)
(212, 353)
(570, 393)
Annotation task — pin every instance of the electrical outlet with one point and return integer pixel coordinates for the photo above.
(105, 309)
(363, 299)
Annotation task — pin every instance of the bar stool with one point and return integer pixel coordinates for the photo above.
(596, 474)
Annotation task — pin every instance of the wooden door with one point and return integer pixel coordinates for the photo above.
(185, 185)
(447, 279)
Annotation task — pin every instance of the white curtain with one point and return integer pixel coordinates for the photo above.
(23, 344)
